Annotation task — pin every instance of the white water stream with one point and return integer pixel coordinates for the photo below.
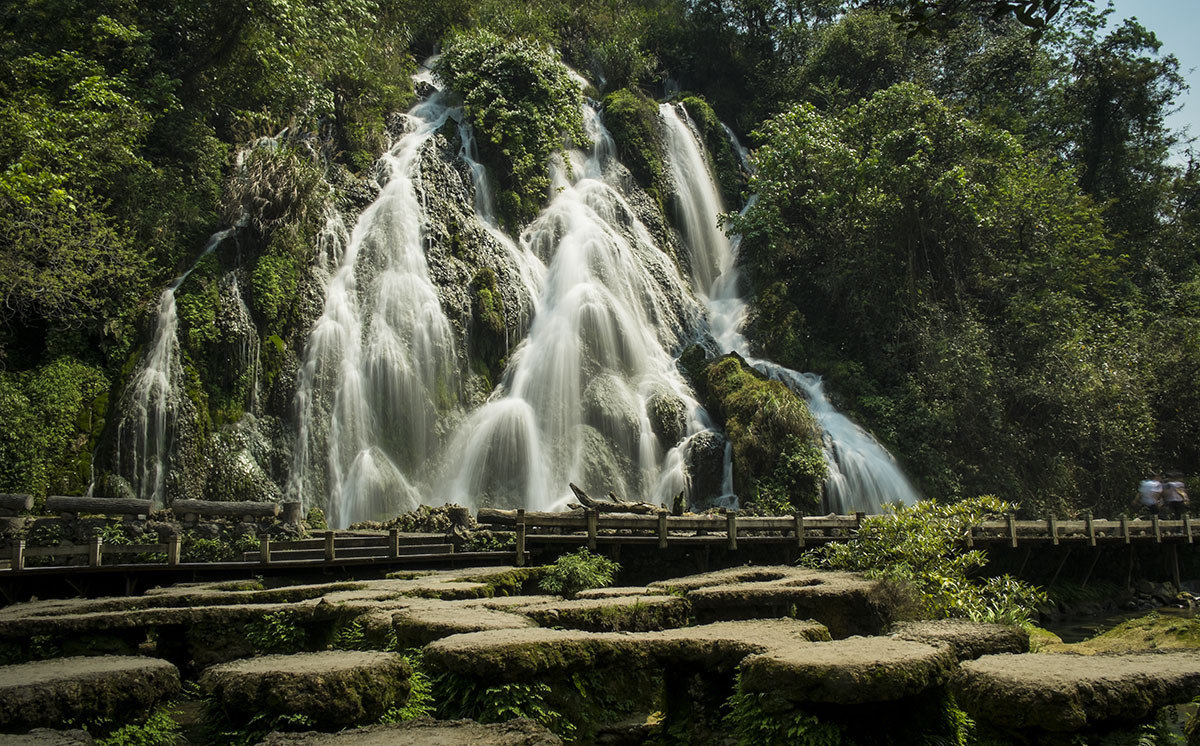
(585, 393)
(862, 474)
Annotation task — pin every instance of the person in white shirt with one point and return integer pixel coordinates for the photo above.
(1175, 496)
(1150, 495)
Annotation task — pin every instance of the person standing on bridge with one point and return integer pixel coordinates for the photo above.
(1175, 496)
(1150, 495)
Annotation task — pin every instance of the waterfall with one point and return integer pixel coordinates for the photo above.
(576, 400)
(379, 362)
(144, 432)
(862, 474)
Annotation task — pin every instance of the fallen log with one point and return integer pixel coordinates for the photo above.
(99, 505)
(232, 509)
(613, 505)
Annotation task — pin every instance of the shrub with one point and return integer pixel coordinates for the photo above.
(276, 633)
(919, 545)
(160, 729)
(572, 573)
(632, 119)
(522, 101)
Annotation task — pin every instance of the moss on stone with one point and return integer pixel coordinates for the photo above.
(633, 121)
(776, 441)
(620, 614)
(726, 166)
(1154, 631)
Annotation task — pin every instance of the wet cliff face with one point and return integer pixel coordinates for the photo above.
(291, 372)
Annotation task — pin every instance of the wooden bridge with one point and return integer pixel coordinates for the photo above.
(532, 533)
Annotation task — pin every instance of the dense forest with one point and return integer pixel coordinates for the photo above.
(971, 219)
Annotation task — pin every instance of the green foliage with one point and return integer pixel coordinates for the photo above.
(522, 102)
(198, 549)
(420, 702)
(925, 255)
(315, 520)
(776, 455)
(53, 417)
(752, 726)
(919, 545)
(633, 121)
(159, 729)
(460, 697)
(578, 571)
(276, 633)
(726, 167)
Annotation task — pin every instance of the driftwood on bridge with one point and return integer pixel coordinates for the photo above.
(613, 504)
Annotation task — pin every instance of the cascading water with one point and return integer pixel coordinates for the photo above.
(862, 474)
(576, 399)
(379, 360)
(144, 433)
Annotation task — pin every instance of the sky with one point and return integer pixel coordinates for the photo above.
(1177, 25)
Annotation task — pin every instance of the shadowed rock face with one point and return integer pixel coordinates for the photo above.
(427, 733)
(47, 737)
(966, 640)
(49, 693)
(1070, 692)
(334, 688)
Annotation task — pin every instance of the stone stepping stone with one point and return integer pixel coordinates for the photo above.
(522, 654)
(968, 640)
(47, 737)
(424, 622)
(427, 733)
(855, 670)
(1062, 692)
(613, 614)
(335, 688)
(51, 692)
(846, 603)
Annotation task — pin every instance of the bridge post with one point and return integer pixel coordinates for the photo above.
(1012, 529)
(18, 554)
(799, 529)
(94, 552)
(593, 520)
(330, 549)
(731, 529)
(1157, 529)
(264, 549)
(1091, 532)
(520, 537)
(1187, 527)
(662, 529)
(174, 545)
(1053, 530)
(394, 543)
(1125, 529)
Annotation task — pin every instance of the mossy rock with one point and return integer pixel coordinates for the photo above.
(855, 670)
(966, 639)
(619, 614)
(633, 121)
(846, 603)
(427, 732)
(52, 692)
(47, 737)
(776, 440)
(335, 689)
(1071, 692)
(425, 622)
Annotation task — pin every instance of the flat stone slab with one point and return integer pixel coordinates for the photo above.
(613, 614)
(1060, 692)
(335, 688)
(47, 737)
(51, 692)
(518, 654)
(422, 623)
(426, 732)
(968, 640)
(855, 670)
(846, 603)
(617, 592)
